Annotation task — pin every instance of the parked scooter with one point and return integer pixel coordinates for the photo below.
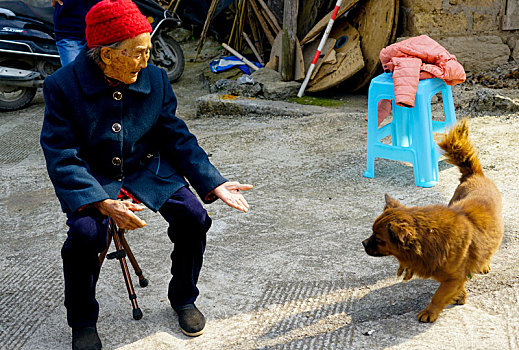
(28, 51)
(165, 51)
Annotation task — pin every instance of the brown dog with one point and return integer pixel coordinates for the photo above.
(447, 243)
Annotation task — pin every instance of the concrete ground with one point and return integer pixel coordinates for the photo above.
(291, 273)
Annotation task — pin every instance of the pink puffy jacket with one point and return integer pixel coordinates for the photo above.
(417, 58)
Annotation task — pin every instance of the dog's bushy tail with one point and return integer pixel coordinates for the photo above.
(460, 151)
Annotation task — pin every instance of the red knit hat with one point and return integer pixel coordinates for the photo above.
(110, 21)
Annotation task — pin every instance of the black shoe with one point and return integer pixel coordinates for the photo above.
(86, 338)
(190, 319)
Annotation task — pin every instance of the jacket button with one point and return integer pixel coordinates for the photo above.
(117, 95)
(116, 127)
(116, 161)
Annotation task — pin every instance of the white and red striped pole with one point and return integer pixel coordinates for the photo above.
(319, 48)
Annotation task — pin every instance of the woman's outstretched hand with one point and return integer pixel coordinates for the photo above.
(229, 193)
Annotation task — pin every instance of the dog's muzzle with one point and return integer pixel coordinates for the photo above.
(370, 246)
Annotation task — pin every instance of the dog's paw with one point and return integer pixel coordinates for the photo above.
(408, 274)
(461, 298)
(426, 315)
(485, 270)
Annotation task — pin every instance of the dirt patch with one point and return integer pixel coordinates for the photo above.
(503, 77)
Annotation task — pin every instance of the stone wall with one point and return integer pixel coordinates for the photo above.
(481, 33)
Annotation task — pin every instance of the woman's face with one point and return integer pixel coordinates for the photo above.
(125, 62)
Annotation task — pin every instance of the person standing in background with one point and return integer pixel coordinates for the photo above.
(69, 27)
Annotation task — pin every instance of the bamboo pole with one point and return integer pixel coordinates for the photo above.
(207, 23)
(241, 25)
(237, 54)
(234, 22)
(269, 21)
(176, 2)
(255, 31)
(176, 6)
(263, 24)
(170, 5)
(251, 45)
(269, 13)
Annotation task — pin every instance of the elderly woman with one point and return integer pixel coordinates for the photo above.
(110, 126)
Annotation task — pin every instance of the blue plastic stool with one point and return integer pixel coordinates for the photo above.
(411, 129)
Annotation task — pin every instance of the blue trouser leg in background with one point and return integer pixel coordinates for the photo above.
(68, 49)
(188, 225)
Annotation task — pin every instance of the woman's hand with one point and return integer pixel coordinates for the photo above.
(229, 192)
(121, 213)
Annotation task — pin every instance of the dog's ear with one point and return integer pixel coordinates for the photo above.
(402, 233)
(391, 202)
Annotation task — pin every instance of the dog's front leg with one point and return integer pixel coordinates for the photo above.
(408, 272)
(401, 270)
(446, 292)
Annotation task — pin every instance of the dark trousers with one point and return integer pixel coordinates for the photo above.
(87, 237)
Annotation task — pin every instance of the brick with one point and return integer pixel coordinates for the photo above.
(477, 53)
(483, 23)
(441, 24)
(422, 6)
(515, 52)
(480, 4)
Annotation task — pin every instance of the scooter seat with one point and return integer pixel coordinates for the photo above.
(45, 14)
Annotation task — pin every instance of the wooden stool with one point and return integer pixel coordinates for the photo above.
(123, 250)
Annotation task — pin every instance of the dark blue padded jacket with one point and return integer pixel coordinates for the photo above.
(98, 138)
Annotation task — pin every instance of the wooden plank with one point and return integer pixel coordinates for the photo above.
(255, 31)
(511, 16)
(262, 22)
(275, 53)
(375, 21)
(327, 57)
(321, 25)
(289, 39)
(309, 52)
(348, 60)
(299, 71)
(395, 23)
(270, 15)
(275, 58)
(270, 22)
(308, 12)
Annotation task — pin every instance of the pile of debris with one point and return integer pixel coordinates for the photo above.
(349, 52)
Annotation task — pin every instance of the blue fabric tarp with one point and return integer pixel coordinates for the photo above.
(228, 62)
